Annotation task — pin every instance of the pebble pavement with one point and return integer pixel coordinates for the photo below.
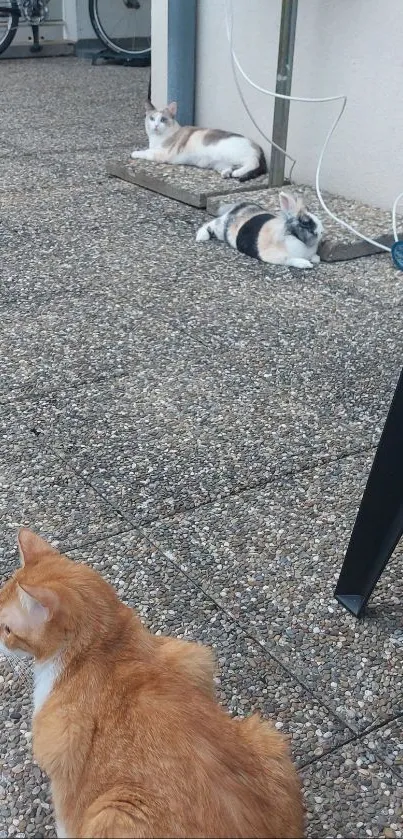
(199, 428)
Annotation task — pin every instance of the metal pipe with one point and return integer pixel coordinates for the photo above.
(182, 57)
(283, 85)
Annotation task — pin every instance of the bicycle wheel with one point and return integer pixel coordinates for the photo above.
(9, 17)
(124, 26)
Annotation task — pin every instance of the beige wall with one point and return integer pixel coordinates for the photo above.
(78, 24)
(159, 52)
(342, 46)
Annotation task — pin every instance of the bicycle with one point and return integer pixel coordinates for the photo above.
(123, 26)
(11, 11)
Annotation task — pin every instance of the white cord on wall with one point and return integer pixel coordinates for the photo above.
(394, 211)
(341, 98)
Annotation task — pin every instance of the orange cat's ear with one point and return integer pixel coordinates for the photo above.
(39, 604)
(31, 546)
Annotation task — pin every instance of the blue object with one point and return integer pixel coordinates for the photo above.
(397, 254)
(181, 57)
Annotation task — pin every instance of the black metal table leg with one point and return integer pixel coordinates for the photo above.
(379, 523)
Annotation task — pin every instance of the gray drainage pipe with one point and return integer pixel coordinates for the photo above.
(182, 57)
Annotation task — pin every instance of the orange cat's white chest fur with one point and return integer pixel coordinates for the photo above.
(45, 676)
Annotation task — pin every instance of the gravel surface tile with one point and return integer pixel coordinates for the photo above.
(352, 795)
(56, 171)
(271, 558)
(186, 440)
(67, 342)
(388, 742)
(170, 603)
(78, 107)
(198, 427)
(37, 489)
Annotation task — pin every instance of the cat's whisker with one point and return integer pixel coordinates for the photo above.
(18, 667)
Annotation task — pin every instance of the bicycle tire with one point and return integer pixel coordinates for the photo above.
(14, 16)
(142, 54)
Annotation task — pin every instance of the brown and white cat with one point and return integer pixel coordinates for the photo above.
(232, 155)
(125, 723)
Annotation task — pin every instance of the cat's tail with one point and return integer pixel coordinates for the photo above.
(227, 208)
(260, 169)
(193, 660)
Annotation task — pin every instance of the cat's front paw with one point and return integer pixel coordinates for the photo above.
(135, 154)
(298, 262)
(226, 173)
(315, 259)
(202, 234)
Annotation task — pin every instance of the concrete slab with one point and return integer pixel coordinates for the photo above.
(197, 424)
(50, 49)
(65, 343)
(181, 183)
(352, 794)
(271, 557)
(38, 490)
(248, 678)
(338, 243)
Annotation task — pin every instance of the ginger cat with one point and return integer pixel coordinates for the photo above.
(125, 723)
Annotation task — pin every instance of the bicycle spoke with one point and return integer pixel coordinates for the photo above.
(125, 29)
(9, 17)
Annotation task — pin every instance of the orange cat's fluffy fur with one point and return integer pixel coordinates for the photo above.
(125, 723)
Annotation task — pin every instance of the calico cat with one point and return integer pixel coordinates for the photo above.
(125, 724)
(289, 238)
(232, 155)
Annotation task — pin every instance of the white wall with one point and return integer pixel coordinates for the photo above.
(159, 52)
(342, 46)
(78, 23)
(50, 30)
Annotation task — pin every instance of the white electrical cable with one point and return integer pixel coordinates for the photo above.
(342, 98)
(229, 23)
(394, 210)
(252, 118)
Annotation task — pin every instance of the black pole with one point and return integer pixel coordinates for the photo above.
(379, 523)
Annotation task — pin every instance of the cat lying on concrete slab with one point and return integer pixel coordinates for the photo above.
(232, 155)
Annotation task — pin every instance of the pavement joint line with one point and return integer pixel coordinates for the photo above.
(252, 637)
(87, 543)
(61, 152)
(44, 393)
(356, 736)
(234, 493)
(218, 605)
(356, 739)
